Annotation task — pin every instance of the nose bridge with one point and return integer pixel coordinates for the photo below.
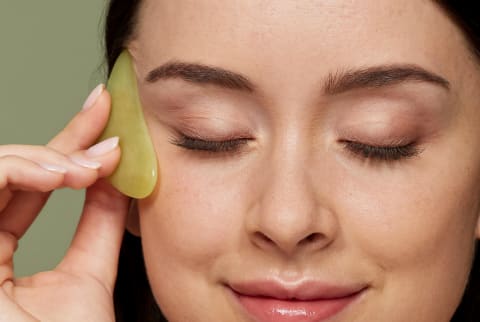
(288, 213)
(287, 187)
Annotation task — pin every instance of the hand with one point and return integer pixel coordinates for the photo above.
(80, 288)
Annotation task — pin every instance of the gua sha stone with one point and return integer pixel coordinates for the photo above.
(136, 174)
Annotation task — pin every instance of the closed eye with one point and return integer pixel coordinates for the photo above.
(382, 153)
(199, 144)
(369, 152)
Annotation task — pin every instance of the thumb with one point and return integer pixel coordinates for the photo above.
(96, 245)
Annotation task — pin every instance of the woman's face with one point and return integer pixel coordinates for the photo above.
(319, 160)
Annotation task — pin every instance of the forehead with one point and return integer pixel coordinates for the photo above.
(279, 38)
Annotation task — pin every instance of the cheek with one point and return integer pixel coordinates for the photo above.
(415, 226)
(413, 216)
(192, 219)
(194, 215)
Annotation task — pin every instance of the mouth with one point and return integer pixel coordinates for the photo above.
(269, 301)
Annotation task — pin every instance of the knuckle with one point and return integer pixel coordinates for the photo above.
(6, 162)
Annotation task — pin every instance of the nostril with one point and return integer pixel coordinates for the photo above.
(312, 238)
(263, 239)
(315, 241)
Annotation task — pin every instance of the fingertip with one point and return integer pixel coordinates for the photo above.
(111, 162)
(86, 170)
(53, 168)
(53, 179)
(93, 97)
(85, 127)
(104, 99)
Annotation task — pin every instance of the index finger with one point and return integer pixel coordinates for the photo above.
(79, 134)
(86, 126)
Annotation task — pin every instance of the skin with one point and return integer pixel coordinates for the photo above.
(81, 286)
(294, 203)
(405, 228)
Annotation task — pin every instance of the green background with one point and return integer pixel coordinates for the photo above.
(50, 59)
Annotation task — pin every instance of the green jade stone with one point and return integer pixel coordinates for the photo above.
(136, 174)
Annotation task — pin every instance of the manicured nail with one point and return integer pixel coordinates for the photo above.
(92, 98)
(83, 162)
(102, 148)
(53, 168)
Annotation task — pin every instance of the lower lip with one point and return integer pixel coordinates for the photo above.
(263, 309)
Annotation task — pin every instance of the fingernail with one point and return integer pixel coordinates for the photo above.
(53, 168)
(103, 147)
(92, 98)
(86, 163)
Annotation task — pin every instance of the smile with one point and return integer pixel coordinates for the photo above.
(266, 301)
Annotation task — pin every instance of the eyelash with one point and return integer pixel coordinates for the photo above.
(210, 146)
(382, 153)
(365, 151)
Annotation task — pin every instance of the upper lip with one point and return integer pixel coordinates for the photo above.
(301, 291)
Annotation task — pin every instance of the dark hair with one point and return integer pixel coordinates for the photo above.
(467, 17)
(133, 297)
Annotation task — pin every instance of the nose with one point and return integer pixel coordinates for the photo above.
(290, 213)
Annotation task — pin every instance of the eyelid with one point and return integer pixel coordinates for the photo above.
(383, 153)
(232, 144)
(198, 144)
(187, 130)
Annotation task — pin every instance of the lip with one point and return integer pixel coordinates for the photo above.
(273, 301)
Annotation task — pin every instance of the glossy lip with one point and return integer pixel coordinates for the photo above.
(310, 301)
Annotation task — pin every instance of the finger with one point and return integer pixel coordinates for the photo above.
(77, 165)
(18, 215)
(18, 173)
(9, 310)
(17, 224)
(5, 197)
(8, 245)
(41, 155)
(85, 127)
(103, 157)
(80, 133)
(96, 245)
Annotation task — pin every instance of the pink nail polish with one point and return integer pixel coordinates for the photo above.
(92, 98)
(83, 162)
(103, 147)
(53, 167)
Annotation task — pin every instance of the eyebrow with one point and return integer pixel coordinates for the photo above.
(201, 74)
(335, 83)
(380, 76)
